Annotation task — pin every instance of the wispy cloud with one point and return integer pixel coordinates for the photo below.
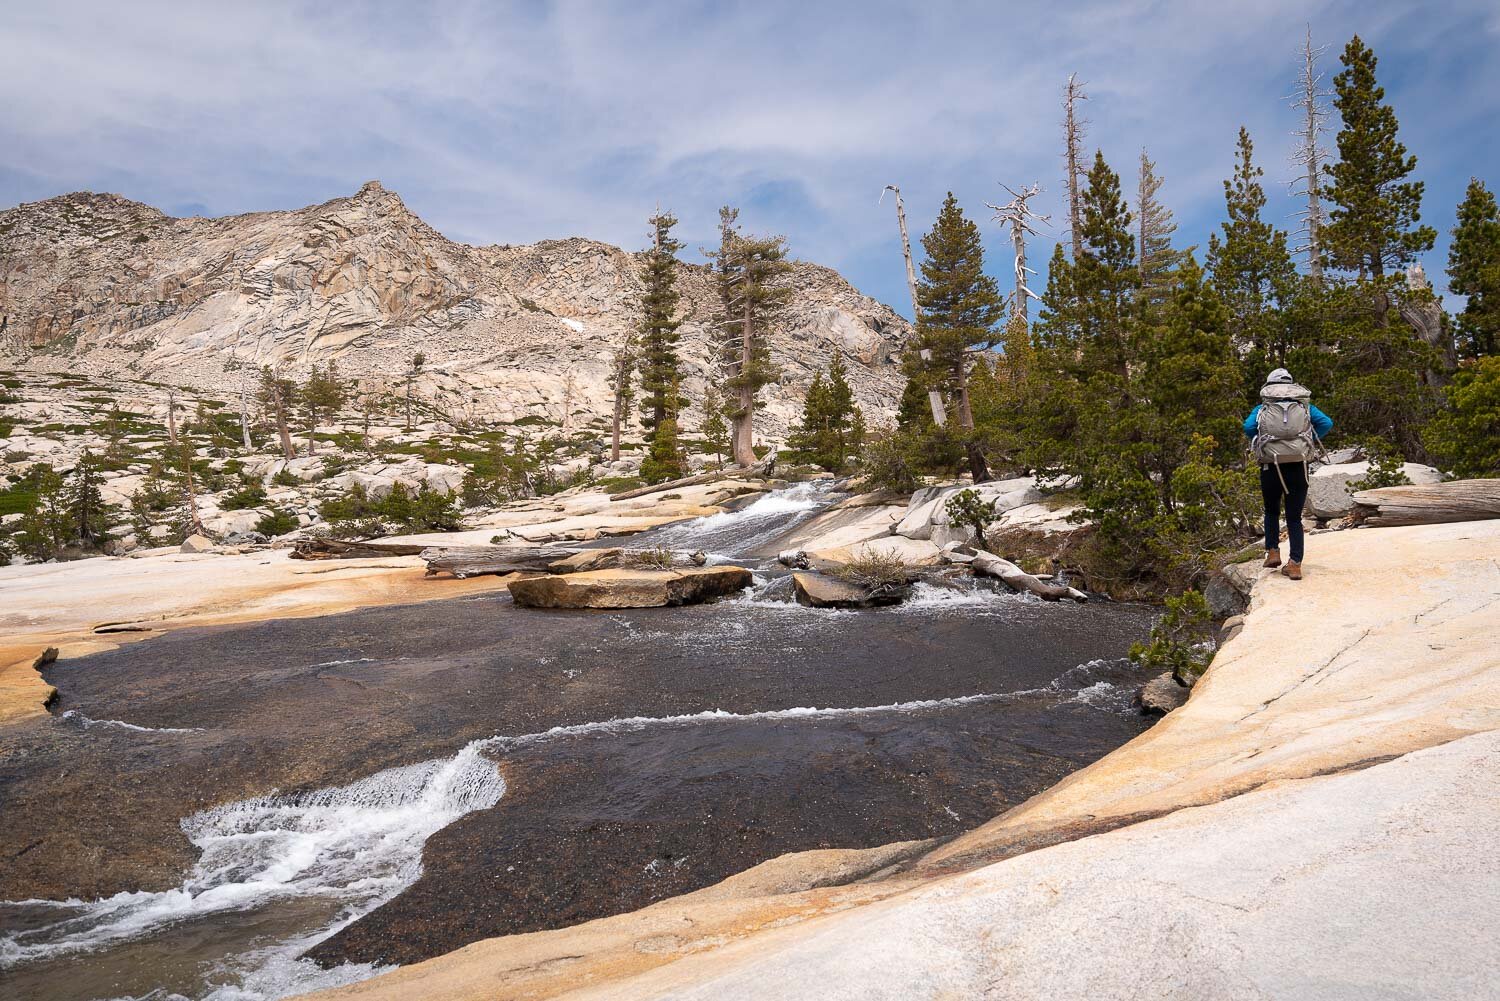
(512, 123)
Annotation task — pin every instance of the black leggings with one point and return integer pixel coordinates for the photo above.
(1295, 495)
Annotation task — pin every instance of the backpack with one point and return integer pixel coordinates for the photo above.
(1283, 427)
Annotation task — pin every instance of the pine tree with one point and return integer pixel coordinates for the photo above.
(960, 307)
(750, 272)
(664, 460)
(913, 412)
(1474, 271)
(87, 510)
(832, 428)
(658, 361)
(1252, 268)
(1155, 257)
(622, 381)
(278, 395)
(715, 431)
(1373, 229)
(322, 395)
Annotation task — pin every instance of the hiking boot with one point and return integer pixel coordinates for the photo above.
(1273, 558)
(1292, 570)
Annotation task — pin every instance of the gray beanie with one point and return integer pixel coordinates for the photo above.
(1279, 375)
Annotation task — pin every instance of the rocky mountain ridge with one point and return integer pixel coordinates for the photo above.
(109, 286)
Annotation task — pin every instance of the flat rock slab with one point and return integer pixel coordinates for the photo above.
(630, 588)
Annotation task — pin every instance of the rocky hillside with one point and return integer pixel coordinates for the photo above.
(109, 287)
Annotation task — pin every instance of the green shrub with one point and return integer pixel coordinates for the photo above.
(967, 509)
(252, 495)
(889, 463)
(1180, 641)
(279, 522)
(1384, 469)
(284, 478)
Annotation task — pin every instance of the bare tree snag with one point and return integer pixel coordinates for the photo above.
(1016, 215)
(1073, 131)
(934, 398)
(1309, 155)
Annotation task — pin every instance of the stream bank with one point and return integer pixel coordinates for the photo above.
(386, 785)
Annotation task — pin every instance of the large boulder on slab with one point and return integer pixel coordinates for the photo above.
(622, 588)
(818, 591)
(1161, 695)
(1328, 493)
(927, 515)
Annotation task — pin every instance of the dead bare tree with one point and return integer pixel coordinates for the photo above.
(1309, 154)
(1016, 214)
(172, 416)
(621, 374)
(934, 398)
(1073, 130)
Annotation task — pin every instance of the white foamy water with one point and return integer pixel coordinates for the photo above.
(360, 844)
(732, 533)
(88, 723)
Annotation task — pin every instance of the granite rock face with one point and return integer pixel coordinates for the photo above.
(1328, 494)
(508, 332)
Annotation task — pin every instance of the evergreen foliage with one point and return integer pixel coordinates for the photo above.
(1180, 640)
(1156, 259)
(960, 306)
(715, 430)
(1373, 228)
(657, 359)
(665, 460)
(832, 429)
(750, 274)
(1465, 438)
(1474, 271)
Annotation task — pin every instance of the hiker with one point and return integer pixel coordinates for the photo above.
(1286, 431)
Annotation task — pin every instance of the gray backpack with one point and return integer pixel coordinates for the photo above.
(1283, 428)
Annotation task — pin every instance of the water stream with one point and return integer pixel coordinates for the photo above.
(278, 873)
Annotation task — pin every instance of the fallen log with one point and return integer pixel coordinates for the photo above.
(762, 468)
(1012, 575)
(1427, 504)
(317, 548)
(475, 561)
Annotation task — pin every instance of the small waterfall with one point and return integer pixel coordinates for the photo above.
(360, 843)
(737, 534)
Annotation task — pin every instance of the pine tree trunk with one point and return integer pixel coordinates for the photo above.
(1074, 144)
(934, 398)
(978, 468)
(245, 420)
(614, 437)
(312, 442)
(172, 416)
(287, 451)
(744, 444)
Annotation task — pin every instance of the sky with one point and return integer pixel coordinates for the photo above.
(517, 122)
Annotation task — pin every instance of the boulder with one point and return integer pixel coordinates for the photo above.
(588, 559)
(630, 588)
(195, 544)
(1328, 494)
(817, 591)
(927, 514)
(1228, 590)
(1161, 695)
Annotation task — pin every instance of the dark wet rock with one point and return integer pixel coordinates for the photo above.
(630, 588)
(1230, 628)
(1161, 695)
(1228, 590)
(818, 591)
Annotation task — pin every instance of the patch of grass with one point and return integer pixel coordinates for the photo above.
(873, 570)
(620, 484)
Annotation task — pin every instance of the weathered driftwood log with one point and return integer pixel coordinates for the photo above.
(1428, 504)
(474, 561)
(762, 468)
(1014, 576)
(337, 549)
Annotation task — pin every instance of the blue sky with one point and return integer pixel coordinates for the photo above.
(510, 123)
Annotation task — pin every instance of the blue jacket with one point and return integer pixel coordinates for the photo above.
(1321, 422)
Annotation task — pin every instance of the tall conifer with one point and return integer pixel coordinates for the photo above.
(657, 352)
(960, 307)
(1373, 229)
(1474, 271)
